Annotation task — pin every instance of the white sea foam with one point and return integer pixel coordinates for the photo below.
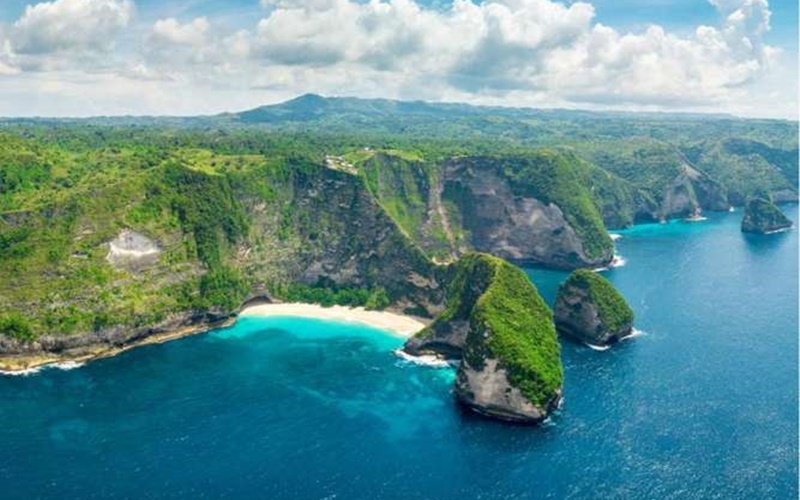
(616, 261)
(782, 230)
(634, 334)
(21, 373)
(424, 360)
(597, 347)
(697, 218)
(615, 236)
(67, 365)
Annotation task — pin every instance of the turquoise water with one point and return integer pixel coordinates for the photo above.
(702, 405)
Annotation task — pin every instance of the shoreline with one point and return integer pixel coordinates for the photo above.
(394, 323)
(397, 324)
(21, 364)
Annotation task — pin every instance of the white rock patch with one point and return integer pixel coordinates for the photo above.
(132, 249)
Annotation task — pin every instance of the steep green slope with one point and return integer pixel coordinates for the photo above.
(542, 206)
(408, 188)
(512, 324)
(665, 182)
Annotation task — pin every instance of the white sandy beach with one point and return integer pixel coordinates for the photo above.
(396, 323)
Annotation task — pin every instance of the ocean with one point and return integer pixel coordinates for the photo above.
(701, 404)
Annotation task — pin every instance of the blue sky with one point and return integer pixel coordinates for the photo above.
(88, 57)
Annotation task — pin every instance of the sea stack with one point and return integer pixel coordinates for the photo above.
(591, 310)
(503, 330)
(761, 216)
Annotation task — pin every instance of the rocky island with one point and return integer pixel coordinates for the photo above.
(497, 321)
(761, 216)
(591, 310)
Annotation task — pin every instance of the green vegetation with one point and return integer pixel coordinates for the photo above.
(404, 184)
(510, 322)
(17, 327)
(206, 208)
(241, 203)
(614, 312)
(223, 288)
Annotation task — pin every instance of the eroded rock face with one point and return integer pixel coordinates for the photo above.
(691, 192)
(513, 227)
(488, 391)
(345, 238)
(132, 251)
(589, 309)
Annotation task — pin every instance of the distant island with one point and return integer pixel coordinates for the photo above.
(116, 232)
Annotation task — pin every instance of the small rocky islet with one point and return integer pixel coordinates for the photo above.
(502, 330)
(762, 216)
(589, 309)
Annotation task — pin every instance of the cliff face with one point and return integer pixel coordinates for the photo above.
(690, 192)
(510, 358)
(410, 191)
(589, 309)
(532, 208)
(339, 235)
(761, 216)
(510, 225)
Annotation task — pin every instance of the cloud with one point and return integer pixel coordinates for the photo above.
(170, 31)
(550, 50)
(64, 25)
(514, 52)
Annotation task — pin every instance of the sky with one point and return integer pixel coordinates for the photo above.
(190, 57)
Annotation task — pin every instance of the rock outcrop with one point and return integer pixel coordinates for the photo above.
(496, 320)
(761, 216)
(591, 310)
(690, 192)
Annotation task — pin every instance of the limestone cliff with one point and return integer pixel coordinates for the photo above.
(691, 192)
(532, 208)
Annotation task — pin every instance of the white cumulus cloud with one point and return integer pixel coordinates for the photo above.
(70, 25)
(513, 52)
(190, 33)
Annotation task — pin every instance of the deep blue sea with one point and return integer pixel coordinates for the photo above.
(702, 405)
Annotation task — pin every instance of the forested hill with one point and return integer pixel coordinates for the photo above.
(748, 156)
